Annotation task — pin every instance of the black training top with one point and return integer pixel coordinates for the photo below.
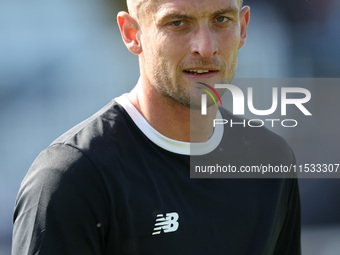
(113, 185)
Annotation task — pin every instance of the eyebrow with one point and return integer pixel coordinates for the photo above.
(232, 10)
(173, 16)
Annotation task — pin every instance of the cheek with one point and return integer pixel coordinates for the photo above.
(149, 44)
(228, 45)
(171, 50)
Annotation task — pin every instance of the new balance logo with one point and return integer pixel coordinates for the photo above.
(167, 224)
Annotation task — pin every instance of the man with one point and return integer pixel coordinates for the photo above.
(119, 182)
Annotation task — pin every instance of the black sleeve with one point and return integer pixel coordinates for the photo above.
(289, 240)
(62, 206)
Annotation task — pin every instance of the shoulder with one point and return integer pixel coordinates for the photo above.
(58, 171)
(106, 121)
(61, 191)
(104, 135)
(70, 162)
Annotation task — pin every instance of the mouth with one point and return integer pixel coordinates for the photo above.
(200, 72)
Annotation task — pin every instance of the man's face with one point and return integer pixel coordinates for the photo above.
(186, 41)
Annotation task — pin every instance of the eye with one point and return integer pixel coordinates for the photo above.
(222, 19)
(177, 23)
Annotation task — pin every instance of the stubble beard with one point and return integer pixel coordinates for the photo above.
(187, 95)
(169, 87)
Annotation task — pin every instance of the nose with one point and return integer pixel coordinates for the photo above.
(204, 42)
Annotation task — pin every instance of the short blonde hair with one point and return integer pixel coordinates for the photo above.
(134, 6)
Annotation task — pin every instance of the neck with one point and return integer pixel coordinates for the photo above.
(171, 118)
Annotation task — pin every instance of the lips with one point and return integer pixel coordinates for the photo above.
(200, 73)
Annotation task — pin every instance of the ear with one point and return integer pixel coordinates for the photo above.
(129, 29)
(244, 20)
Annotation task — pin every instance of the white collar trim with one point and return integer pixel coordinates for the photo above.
(179, 147)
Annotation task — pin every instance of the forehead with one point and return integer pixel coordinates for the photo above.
(201, 7)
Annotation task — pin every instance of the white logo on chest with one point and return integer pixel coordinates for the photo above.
(167, 224)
